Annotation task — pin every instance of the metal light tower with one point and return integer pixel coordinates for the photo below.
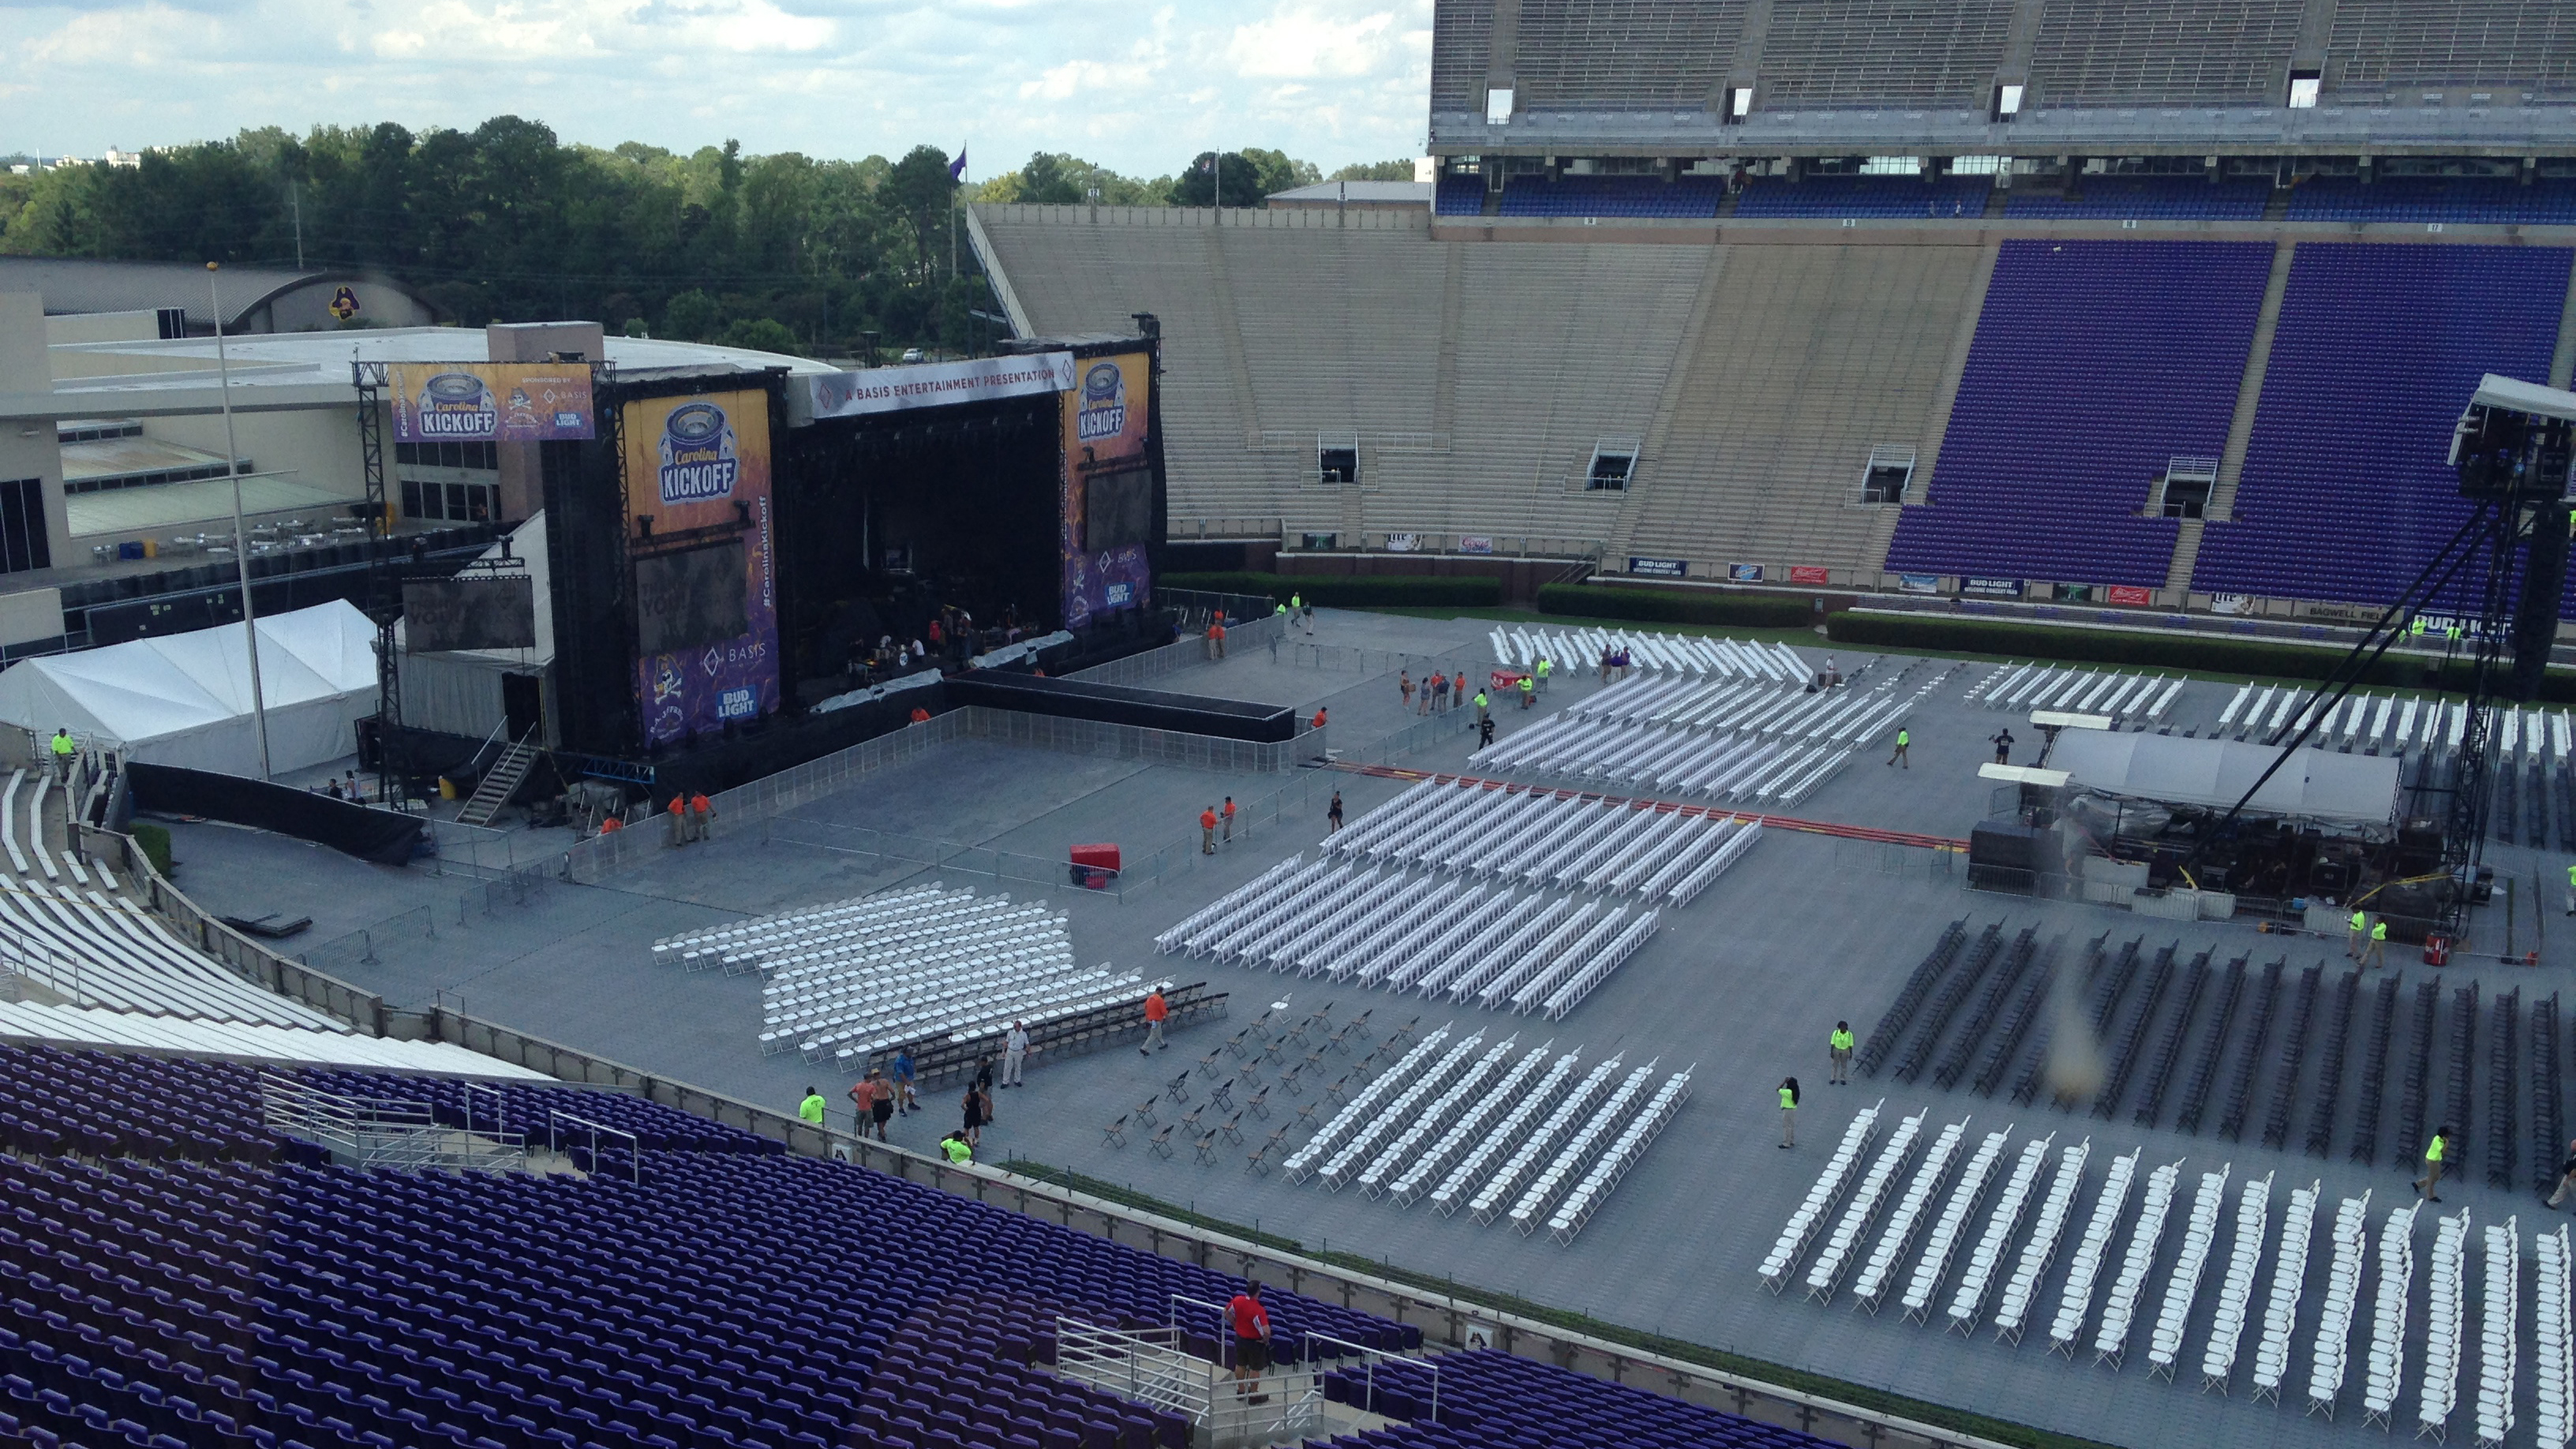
(241, 542)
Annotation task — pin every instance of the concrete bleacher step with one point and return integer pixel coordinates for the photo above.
(2249, 394)
(2186, 553)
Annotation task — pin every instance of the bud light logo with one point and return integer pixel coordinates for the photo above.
(697, 455)
(1102, 413)
(737, 704)
(455, 405)
(1116, 594)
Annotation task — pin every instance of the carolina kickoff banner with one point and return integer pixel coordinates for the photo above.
(1104, 430)
(689, 461)
(937, 384)
(489, 402)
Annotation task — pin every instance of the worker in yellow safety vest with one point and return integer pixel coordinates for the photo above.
(2435, 1152)
(1838, 1049)
(2377, 955)
(2359, 923)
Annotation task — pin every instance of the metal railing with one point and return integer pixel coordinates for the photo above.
(376, 1132)
(1189, 651)
(1155, 1366)
(556, 1118)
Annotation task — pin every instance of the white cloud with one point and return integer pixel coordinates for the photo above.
(1132, 84)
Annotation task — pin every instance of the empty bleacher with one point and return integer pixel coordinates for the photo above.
(1622, 196)
(1460, 196)
(2495, 200)
(2158, 198)
(2095, 365)
(2429, 42)
(2347, 489)
(1891, 197)
(1812, 357)
(1654, 55)
(1918, 55)
(2162, 52)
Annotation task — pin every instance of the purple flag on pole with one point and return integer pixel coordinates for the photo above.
(957, 168)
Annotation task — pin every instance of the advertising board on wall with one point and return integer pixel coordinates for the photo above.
(1105, 412)
(1918, 583)
(1810, 574)
(1658, 568)
(2134, 595)
(703, 463)
(1475, 543)
(937, 384)
(490, 402)
(1743, 573)
(1990, 588)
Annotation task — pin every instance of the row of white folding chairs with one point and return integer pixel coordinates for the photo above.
(1582, 972)
(2499, 1343)
(1625, 1152)
(1052, 980)
(1821, 1197)
(828, 954)
(1732, 708)
(2120, 1304)
(1465, 1095)
(2082, 691)
(1267, 914)
(1477, 1119)
(1948, 1228)
(1700, 876)
(1363, 833)
(1173, 939)
(2446, 1303)
(1032, 1009)
(1549, 1134)
(865, 961)
(1566, 841)
(1364, 1104)
(2383, 1367)
(928, 985)
(2348, 1242)
(2199, 1236)
(2012, 1310)
(1363, 908)
(2553, 1347)
(1898, 1236)
(1457, 951)
(1673, 701)
(1360, 1149)
(1422, 822)
(2236, 1284)
(1591, 1135)
(1843, 1243)
(1986, 1254)
(779, 932)
(1504, 1129)
(2281, 1304)
(2075, 1299)
(822, 1026)
(712, 941)
(1581, 649)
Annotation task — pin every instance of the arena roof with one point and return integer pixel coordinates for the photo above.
(73, 286)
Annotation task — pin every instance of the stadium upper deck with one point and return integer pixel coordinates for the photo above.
(1685, 79)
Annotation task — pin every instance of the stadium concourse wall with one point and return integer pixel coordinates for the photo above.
(1475, 363)
(1447, 1319)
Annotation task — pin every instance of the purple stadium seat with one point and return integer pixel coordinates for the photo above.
(2095, 364)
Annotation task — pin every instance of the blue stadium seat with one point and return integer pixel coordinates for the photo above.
(1892, 197)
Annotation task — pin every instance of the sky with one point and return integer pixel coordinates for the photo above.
(1133, 86)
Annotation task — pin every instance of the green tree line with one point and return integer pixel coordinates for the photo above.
(508, 223)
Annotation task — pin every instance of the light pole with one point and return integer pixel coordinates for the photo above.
(241, 541)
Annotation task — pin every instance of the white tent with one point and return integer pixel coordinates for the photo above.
(185, 699)
(2315, 784)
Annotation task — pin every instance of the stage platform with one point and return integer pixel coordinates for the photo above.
(1743, 984)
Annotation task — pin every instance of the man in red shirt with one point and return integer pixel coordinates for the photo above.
(679, 813)
(1227, 815)
(1319, 716)
(1156, 1013)
(702, 813)
(1207, 831)
(1251, 1324)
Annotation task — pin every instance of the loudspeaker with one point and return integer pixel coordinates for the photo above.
(2535, 611)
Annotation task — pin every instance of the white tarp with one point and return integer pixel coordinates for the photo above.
(2314, 784)
(185, 699)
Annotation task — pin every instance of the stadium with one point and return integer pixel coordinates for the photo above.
(2001, 896)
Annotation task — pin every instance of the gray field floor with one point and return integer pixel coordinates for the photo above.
(1741, 985)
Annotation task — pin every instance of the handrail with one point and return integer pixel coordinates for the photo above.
(634, 1144)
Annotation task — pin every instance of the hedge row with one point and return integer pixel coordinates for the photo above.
(1674, 606)
(1348, 590)
(2268, 658)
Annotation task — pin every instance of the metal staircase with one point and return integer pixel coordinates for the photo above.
(500, 782)
(380, 1132)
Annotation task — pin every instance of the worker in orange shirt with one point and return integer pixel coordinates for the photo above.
(1227, 815)
(678, 810)
(1156, 1013)
(1207, 831)
(702, 813)
(611, 825)
(1319, 716)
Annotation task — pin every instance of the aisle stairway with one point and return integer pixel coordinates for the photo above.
(499, 783)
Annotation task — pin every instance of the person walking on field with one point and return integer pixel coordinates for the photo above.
(1227, 815)
(702, 813)
(2003, 741)
(1207, 831)
(810, 1111)
(1333, 814)
(2566, 1176)
(1838, 1050)
(2377, 955)
(1404, 686)
(2354, 929)
(1157, 1011)
(1529, 690)
(2436, 1153)
(1903, 739)
(679, 814)
(1788, 1111)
